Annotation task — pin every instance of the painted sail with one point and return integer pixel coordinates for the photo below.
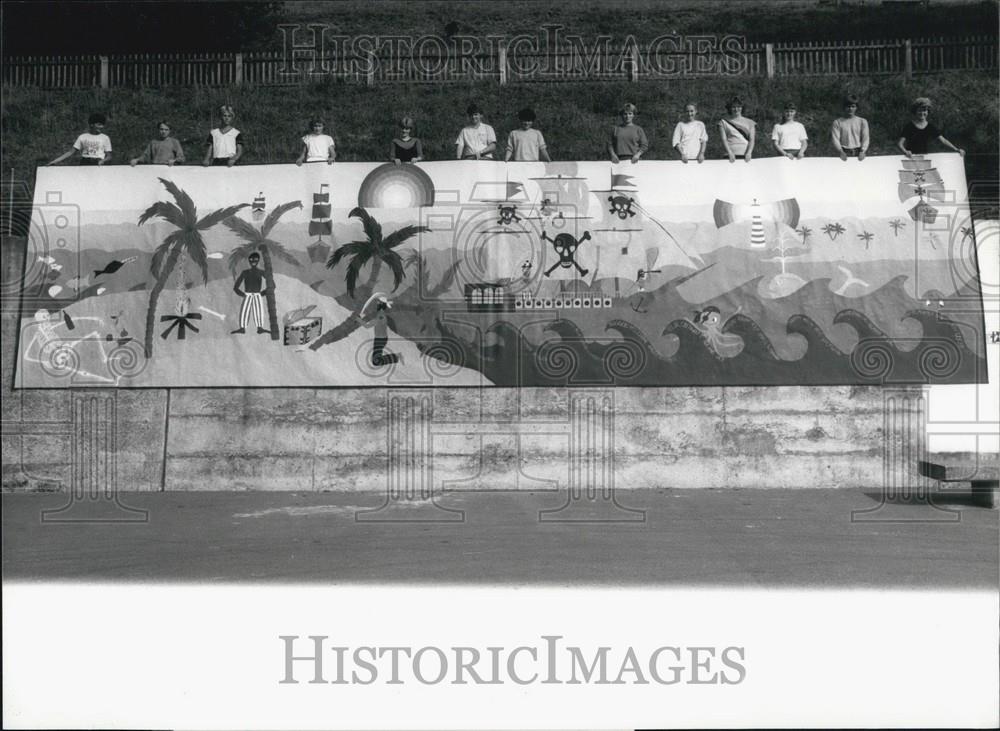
(320, 225)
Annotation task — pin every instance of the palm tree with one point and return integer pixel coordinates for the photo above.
(257, 240)
(375, 249)
(185, 240)
(805, 232)
(833, 230)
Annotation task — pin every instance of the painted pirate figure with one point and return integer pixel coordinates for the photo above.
(253, 290)
(379, 320)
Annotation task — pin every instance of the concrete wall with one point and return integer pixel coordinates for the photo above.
(418, 440)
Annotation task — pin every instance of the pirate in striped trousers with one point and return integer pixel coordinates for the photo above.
(250, 286)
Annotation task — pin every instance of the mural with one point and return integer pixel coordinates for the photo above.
(468, 273)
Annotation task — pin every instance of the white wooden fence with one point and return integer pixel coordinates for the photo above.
(268, 68)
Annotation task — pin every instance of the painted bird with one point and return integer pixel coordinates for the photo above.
(113, 266)
(850, 279)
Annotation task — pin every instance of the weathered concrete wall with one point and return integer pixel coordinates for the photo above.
(457, 439)
(525, 439)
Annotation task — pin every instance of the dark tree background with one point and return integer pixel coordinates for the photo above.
(43, 27)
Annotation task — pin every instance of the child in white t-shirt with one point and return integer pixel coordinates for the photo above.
(316, 146)
(225, 143)
(94, 146)
(789, 137)
(477, 141)
(690, 136)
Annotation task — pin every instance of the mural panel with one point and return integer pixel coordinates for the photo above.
(465, 273)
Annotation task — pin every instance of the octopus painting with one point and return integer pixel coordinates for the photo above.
(709, 323)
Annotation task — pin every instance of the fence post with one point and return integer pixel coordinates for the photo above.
(502, 62)
(238, 71)
(908, 58)
(104, 72)
(769, 59)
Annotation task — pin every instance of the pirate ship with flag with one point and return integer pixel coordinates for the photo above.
(920, 179)
(320, 224)
(259, 206)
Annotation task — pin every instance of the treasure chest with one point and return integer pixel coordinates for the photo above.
(303, 330)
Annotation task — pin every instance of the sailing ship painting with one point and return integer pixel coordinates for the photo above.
(259, 206)
(320, 224)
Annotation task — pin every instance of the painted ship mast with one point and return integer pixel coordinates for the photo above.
(320, 224)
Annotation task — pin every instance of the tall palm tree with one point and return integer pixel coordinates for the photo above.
(258, 240)
(375, 249)
(185, 240)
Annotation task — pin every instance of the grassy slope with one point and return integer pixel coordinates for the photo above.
(575, 117)
(769, 20)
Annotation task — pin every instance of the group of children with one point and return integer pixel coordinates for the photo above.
(478, 141)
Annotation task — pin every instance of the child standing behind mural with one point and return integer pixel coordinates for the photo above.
(690, 136)
(225, 143)
(477, 141)
(628, 139)
(406, 148)
(163, 151)
(916, 136)
(526, 144)
(850, 132)
(316, 146)
(738, 132)
(789, 137)
(94, 146)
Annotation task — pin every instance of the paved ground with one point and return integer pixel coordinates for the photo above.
(748, 538)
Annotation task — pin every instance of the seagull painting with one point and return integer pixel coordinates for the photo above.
(849, 281)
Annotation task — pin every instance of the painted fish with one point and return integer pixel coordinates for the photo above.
(47, 260)
(216, 255)
(102, 290)
(54, 290)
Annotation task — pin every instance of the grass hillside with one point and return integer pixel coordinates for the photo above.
(765, 20)
(575, 117)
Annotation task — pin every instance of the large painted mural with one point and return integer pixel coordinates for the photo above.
(463, 273)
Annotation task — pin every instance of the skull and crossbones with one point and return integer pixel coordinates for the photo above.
(508, 214)
(566, 246)
(621, 205)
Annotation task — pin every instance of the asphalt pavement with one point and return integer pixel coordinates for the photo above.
(668, 537)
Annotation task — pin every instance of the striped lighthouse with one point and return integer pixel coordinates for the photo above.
(757, 240)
